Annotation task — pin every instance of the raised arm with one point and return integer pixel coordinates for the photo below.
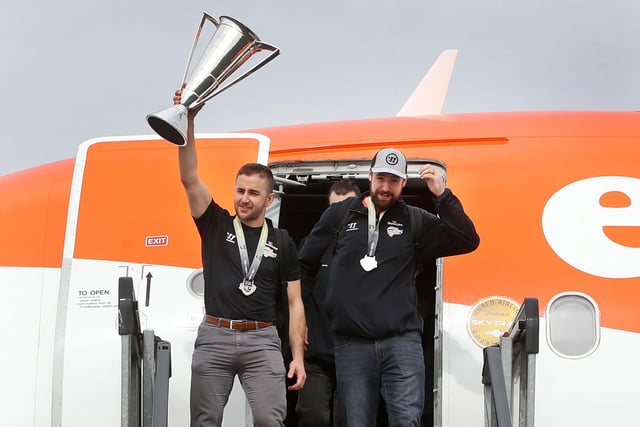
(456, 231)
(434, 176)
(198, 194)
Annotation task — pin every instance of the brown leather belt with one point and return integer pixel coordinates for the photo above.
(237, 325)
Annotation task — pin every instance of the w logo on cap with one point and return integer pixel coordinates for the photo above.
(392, 159)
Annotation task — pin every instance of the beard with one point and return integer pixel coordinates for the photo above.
(382, 200)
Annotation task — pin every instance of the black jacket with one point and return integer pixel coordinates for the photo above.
(382, 302)
(320, 347)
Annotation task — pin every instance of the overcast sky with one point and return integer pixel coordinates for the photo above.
(74, 70)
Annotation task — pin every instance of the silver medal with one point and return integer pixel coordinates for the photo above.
(247, 287)
(368, 263)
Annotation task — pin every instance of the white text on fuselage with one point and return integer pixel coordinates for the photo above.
(574, 221)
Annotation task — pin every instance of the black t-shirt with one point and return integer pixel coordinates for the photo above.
(223, 270)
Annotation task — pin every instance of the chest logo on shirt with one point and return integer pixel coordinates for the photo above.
(231, 238)
(270, 251)
(394, 229)
(352, 226)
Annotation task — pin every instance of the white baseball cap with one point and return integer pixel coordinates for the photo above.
(390, 160)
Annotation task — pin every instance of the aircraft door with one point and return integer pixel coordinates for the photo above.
(129, 217)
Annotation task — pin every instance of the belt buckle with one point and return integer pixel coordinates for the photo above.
(238, 323)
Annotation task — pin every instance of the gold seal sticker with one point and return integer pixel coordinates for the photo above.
(490, 318)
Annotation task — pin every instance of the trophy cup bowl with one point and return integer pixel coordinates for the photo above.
(231, 46)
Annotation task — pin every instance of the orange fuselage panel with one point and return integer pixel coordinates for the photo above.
(505, 167)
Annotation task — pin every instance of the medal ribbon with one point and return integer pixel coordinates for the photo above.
(373, 228)
(250, 271)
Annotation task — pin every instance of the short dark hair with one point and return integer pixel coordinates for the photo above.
(250, 169)
(344, 186)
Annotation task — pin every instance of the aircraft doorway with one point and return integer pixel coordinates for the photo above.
(304, 196)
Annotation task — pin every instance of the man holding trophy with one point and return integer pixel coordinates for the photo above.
(241, 269)
(217, 357)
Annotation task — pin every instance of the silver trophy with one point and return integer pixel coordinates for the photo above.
(230, 47)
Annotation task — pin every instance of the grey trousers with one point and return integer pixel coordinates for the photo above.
(219, 355)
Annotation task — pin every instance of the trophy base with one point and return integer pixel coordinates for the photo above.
(170, 124)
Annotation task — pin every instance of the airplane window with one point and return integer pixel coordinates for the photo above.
(573, 325)
(195, 284)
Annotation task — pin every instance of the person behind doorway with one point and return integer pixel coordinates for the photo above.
(241, 284)
(371, 293)
(315, 403)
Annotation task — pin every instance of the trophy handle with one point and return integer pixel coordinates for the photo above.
(229, 49)
(258, 46)
(205, 17)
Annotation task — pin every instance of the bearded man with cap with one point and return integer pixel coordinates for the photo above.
(371, 293)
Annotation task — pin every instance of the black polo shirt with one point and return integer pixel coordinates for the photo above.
(223, 271)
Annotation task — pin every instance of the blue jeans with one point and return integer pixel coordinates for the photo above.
(392, 366)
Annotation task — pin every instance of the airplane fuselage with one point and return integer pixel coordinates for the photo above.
(555, 198)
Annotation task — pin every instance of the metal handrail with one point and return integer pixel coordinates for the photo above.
(526, 326)
(131, 353)
(515, 352)
(497, 407)
(146, 366)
